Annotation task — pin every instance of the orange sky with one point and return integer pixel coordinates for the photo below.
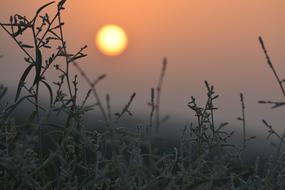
(202, 39)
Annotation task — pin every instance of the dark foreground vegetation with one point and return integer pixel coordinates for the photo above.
(42, 154)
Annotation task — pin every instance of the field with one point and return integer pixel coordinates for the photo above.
(53, 148)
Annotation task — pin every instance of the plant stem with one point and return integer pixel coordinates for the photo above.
(271, 65)
(158, 93)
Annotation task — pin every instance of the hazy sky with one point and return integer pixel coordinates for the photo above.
(214, 40)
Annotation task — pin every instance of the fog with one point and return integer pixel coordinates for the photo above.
(203, 40)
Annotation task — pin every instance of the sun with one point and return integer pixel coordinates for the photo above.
(111, 40)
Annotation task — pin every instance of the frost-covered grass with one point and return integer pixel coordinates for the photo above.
(43, 153)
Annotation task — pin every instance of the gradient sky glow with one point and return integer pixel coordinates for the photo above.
(203, 40)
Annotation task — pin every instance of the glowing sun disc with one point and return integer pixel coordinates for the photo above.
(111, 40)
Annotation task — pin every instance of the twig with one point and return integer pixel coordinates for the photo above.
(158, 93)
(271, 65)
(109, 110)
(95, 93)
(151, 112)
(63, 43)
(243, 120)
(18, 43)
(126, 108)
